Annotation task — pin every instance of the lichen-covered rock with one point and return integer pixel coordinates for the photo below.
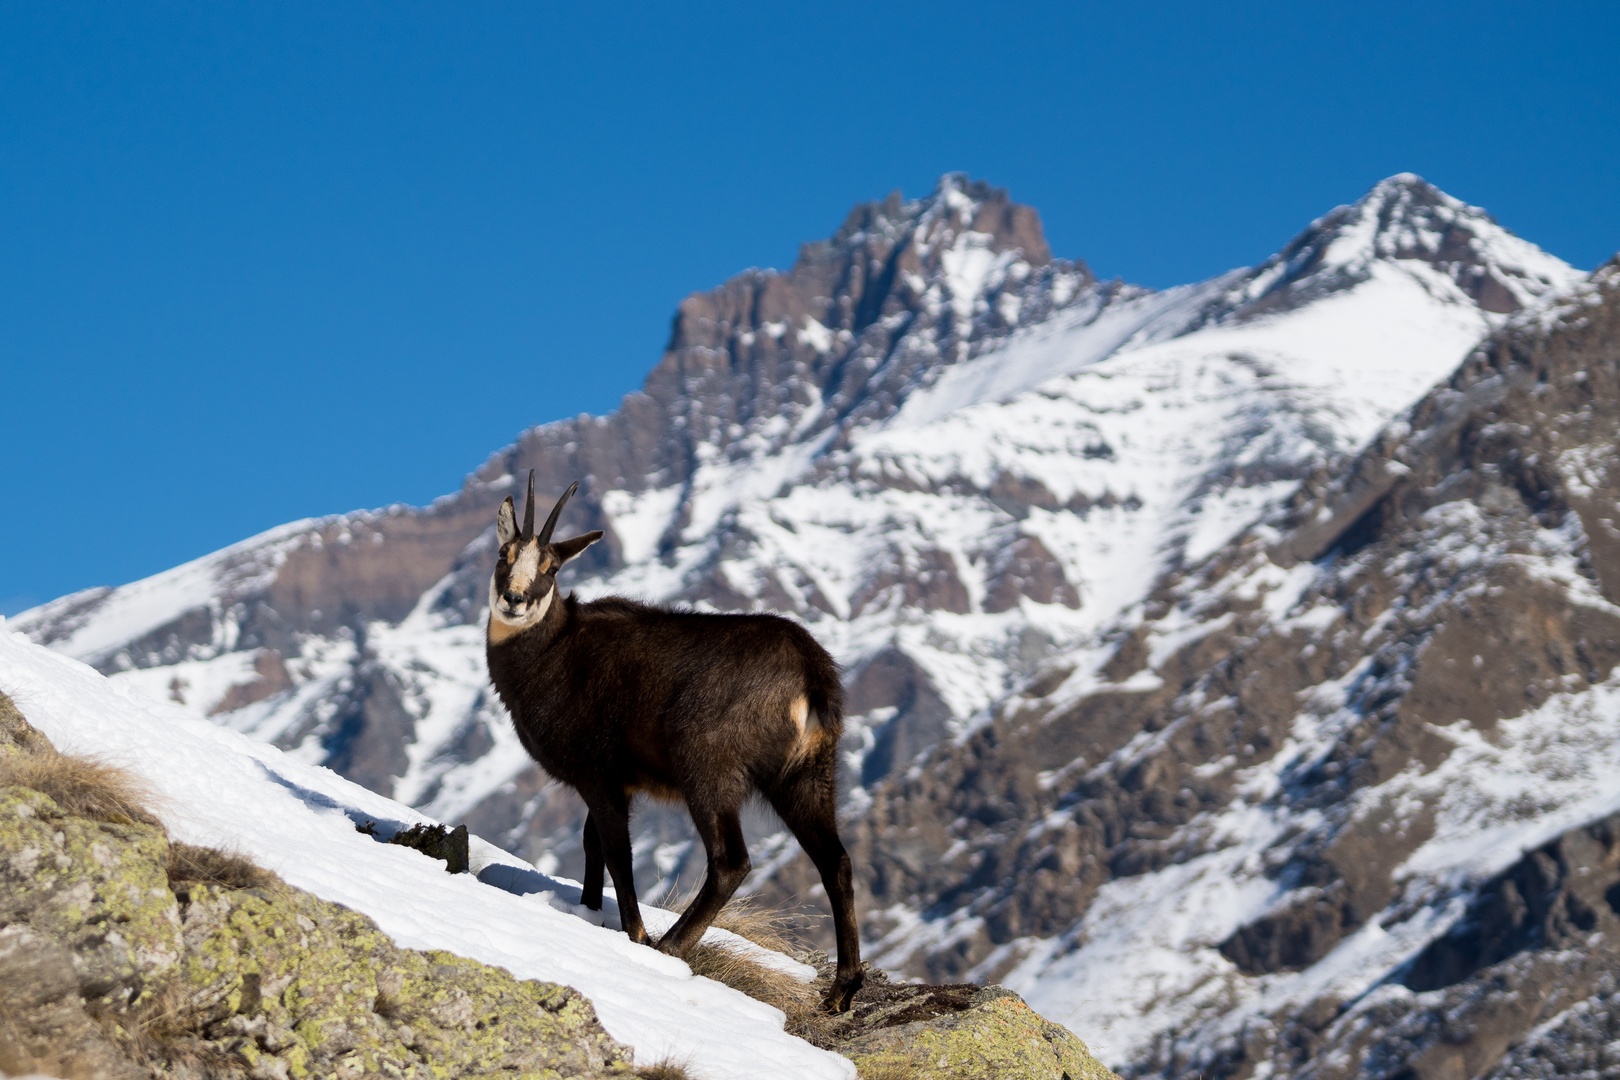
(1000, 1037)
(17, 734)
(108, 971)
(300, 987)
(953, 1032)
(44, 1027)
(96, 887)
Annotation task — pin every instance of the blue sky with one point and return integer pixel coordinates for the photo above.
(266, 261)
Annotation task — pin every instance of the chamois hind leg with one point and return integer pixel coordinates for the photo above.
(591, 894)
(611, 816)
(721, 832)
(805, 801)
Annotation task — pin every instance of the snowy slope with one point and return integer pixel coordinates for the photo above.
(221, 789)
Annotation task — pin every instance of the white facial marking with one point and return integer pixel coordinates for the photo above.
(526, 569)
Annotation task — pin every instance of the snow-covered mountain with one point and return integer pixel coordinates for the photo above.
(1341, 798)
(980, 476)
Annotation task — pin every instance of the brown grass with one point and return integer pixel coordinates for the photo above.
(668, 1069)
(388, 1006)
(191, 865)
(730, 965)
(82, 786)
(733, 966)
(163, 1027)
(768, 929)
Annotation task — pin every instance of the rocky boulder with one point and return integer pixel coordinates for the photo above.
(953, 1032)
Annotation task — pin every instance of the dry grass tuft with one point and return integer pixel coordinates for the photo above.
(733, 966)
(742, 915)
(190, 865)
(163, 1031)
(668, 1069)
(768, 929)
(82, 786)
(730, 965)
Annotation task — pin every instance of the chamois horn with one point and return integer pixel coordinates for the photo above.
(528, 511)
(551, 522)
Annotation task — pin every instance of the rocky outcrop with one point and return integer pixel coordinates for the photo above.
(951, 1033)
(993, 1034)
(115, 963)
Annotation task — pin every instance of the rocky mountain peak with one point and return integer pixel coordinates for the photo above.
(936, 224)
(901, 288)
(1408, 224)
(964, 236)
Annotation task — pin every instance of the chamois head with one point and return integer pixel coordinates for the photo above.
(525, 580)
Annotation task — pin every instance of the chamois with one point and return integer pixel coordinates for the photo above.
(615, 697)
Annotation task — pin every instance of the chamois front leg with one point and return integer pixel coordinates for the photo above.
(591, 894)
(728, 864)
(612, 820)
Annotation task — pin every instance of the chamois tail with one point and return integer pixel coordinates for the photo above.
(825, 691)
(818, 713)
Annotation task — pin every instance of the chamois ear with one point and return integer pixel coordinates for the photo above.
(569, 549)
(506, 529)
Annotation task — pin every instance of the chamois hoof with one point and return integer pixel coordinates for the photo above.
(842, 993)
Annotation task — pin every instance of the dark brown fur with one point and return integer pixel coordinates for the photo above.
(614, 697)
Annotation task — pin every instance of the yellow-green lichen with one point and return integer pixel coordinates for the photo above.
(1004, 1038)
(323, 989)
(98, 888)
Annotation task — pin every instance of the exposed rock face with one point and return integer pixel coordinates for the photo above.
(107, 969)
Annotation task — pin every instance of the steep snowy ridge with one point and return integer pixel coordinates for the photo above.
(1006, 496)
